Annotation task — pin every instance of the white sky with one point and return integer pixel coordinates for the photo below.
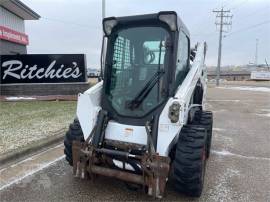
(74, 26)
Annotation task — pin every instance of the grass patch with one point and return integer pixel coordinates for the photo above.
(24, 122)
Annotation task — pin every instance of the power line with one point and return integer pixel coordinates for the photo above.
(249, 27)
(236, 5)
(253, 13)
(69, 23)
(204, 34)
(227, 4)
(239, 4)
(224, 3)
(256, 11)
(202, 19)
(225, 20)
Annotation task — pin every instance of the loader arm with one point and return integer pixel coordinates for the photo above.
(168, 131)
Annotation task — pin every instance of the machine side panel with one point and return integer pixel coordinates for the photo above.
(168, 131)
(88, 107)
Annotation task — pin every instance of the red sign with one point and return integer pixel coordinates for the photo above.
(13, 36)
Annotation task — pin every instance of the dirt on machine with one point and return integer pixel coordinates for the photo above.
(145, 122)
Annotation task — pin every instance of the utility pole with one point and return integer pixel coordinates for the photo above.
(223, 16)
(103, 9)
(256, 53)
(102, 56)
(267, 65)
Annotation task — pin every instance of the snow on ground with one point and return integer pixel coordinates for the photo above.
(247, 88)
(219, 111)
(20, 98)
(227, 153)
(267, 115)
(224, 100)
(218, 129)
(264, 112)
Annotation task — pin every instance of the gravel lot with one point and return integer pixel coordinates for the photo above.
(23, 123)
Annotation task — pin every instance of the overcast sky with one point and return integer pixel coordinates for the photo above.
(74, 26)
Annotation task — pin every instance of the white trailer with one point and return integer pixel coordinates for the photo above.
(260, 75)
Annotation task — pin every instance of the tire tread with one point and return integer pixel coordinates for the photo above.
(74, 133)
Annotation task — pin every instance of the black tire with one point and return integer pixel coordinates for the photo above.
(190, 161)
(74, 133)
(205, 119)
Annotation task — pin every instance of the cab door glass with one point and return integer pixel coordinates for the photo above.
(182, 59)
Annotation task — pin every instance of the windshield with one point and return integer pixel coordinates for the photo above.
(138, 55)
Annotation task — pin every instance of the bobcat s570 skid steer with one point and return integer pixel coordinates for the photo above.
(144, 122)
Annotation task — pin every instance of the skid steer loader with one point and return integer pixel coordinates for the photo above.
(144, 122)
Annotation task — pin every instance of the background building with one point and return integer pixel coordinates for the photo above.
(13, 39)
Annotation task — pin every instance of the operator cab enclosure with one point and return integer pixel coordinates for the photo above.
(147, 58)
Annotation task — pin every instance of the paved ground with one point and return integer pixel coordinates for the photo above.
(238, 168)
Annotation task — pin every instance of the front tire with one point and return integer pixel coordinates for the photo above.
(190, 161)
(205, 119)
(73, 134)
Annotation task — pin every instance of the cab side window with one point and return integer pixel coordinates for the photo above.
(182, 63)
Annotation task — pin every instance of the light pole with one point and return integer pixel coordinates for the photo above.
(256, 53)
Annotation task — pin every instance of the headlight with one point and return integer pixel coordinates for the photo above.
(108, 25)
(170, 18)
(174, 111)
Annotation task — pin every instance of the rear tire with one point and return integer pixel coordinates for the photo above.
(190, 161)
(205, 120)
(74, 133)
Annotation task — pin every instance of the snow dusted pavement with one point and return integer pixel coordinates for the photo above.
(238, 169)
(227, 153)
(247, 88)
(29, 166)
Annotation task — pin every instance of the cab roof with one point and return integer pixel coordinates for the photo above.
(145, 18)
